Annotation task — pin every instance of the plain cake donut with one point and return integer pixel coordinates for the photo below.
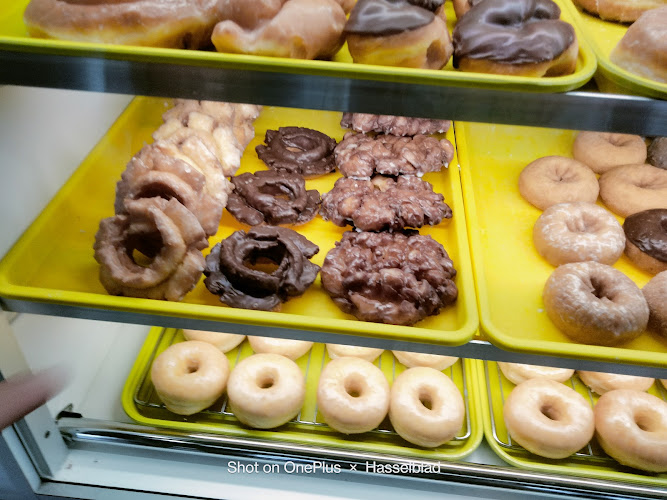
(601, 382)
(426, 407)
(340, 351)
(646, 240)
(266, 390)
(519, 372)
(290, 348)
(190, 376)
(593, 303)
(602, 151)
(557, 179)
(352, 395)
(655, 293)
(630, 189)
(631, 426)
(223, 341)
(435, 361)
(578, 232)
(548, 418)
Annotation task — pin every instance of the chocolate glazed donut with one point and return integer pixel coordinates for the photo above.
(520, 37)
(646, 239)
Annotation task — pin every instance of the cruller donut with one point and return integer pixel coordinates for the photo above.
(602, 151)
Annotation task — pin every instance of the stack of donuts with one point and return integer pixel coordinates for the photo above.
(170, 200)
(554, 421)
(385, 271)
(267, 389)
(585, 297)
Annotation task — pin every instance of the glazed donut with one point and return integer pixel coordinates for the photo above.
(382, 203)
(290, 348)
(556, 179)
(593, 303)
(370, 354)
(352, 395)
(361, 156)
(600, 382)
(394, 125)
(426, 408)
(272, 197)
(602, 151)
(643, 47)
(655, 293)
(630, 189)
(518, 372)
(189, 376)
(515, 37)
(300, 29)
(435, 361)
(625, 11)
(631, 426)
(298, 150)
(389, 278)
(399, 33)
(548, 418)
(180, 25)
(657, 153)
(578, 232)
(167, 234)
(646, 240)
(266, 390)
(255, 288)
(223, 341)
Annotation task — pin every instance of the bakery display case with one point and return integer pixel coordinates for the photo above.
(106, 434)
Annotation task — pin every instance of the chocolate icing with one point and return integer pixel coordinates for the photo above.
(657, 153)
(431, 5)
(647, 230)
(386, 17)
(512, 31)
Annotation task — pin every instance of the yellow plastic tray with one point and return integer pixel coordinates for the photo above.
(509, 273)
(589, 462)
(142, 405)
(53, 261)
(13, 36)
(603, 36)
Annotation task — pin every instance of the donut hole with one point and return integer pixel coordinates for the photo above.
(265, 260)
(353, 387)
(561, 174)
(585, 223)
(425, 399)
(647, 421)
(266, 379)
(278, 191)
(599, 289)
(550, 411)
(191, 366)
(143, 248)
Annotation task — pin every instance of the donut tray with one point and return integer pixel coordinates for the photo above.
(141, 404)
(509, 273)
(52, 264)
(14, 37)
(590, 462)
(603, 36)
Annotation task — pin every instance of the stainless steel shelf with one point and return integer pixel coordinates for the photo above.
(475, 349)
(580, 110)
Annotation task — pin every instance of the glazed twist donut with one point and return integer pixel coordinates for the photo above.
(630, 189)
(521, 37)
(168, 235)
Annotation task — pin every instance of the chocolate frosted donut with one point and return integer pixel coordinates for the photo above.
(514, 35)
(239, 285)
(297, 149)
(383, 203)
(272, 197)
(646, 240)
(657, 153)
(386, 17)
(393, 278)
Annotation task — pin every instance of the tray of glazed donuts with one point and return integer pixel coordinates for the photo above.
(568, 233)
(536, 45)
(231, 213)
(630, 42)
(591, 424)
(356, 398)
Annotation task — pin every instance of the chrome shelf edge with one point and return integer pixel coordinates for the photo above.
(87, 431)
(475, 349)
(571, 110)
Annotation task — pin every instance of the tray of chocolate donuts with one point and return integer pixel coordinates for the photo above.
(271, 217)
(568, 234)
(290, 391)
(591, 424)
(630, 42)
(509, 44)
